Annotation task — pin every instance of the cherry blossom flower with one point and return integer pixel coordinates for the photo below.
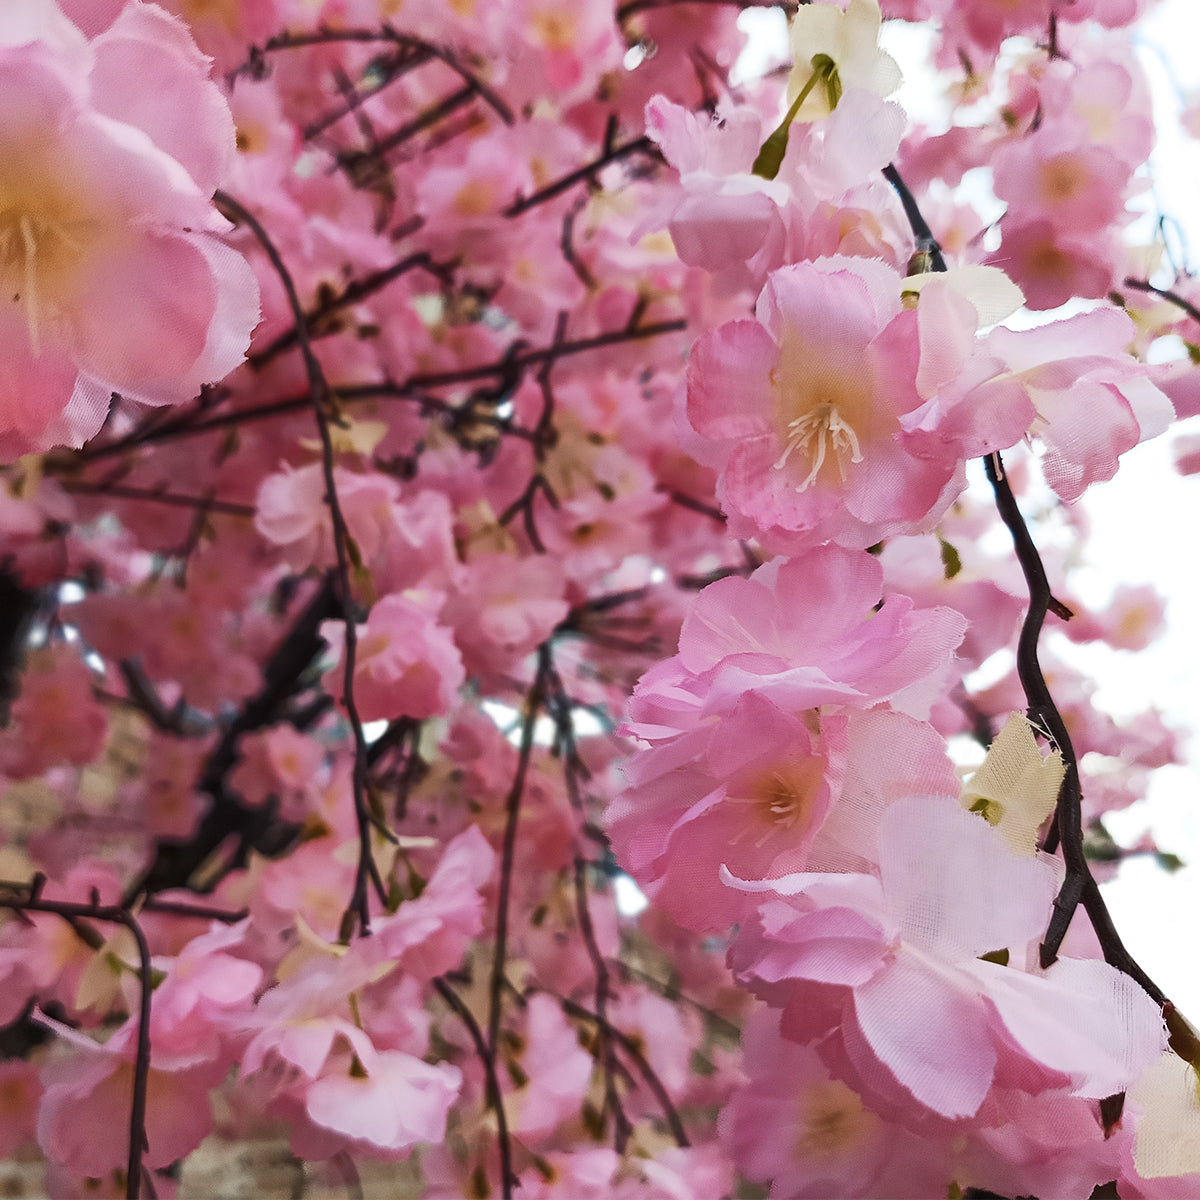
(804, 411)
(104, 210)
(920, 1015)
(407, 663)
(1093, 401)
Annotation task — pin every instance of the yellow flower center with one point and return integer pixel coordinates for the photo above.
(815, 434)
(833, 1121)
(35, 249)
(47, 227)
(781, 799)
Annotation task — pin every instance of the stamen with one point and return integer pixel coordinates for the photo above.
(29, 242)
(32, 250)
(817, 429)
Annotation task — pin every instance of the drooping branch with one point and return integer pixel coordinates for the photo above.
(605, 1050)
(322, 404)
(1144, 285)
(33, 901)
(647, 1072)
(1079, 885)
(534, 700)
(487, 1057)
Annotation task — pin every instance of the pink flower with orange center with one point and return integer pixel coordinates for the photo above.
(801, 410)
(111, 278)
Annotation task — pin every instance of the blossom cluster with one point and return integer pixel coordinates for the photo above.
(511, 679)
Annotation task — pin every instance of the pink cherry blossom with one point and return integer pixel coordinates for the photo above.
(921, 1016)
(386, 1107)
(82, 1092)
(104, 209)
(407, 664)
(802, 411)
(803, 632)
(1093, 401)
(505, 608)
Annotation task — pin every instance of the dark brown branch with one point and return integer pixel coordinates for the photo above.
(1144, 285)
(322, 404)
(202, 912)
(622, 1126)
(255, 62)
(631, 333)
(500, 368)
(647, 1072)
(352, 293)
(147, 701)
(355, 162)
(632, 7)
(71, 912)
(487, 1057)
(697, 506)
(926, 242)
(396, 67)
(1079, 885)
(641, 145)
(534, 700)
(175, 862)
(120, 491)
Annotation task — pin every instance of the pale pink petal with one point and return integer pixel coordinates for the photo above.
(1087, 429)
(1081, 1017)
(165, 292)
(34, 388)
(236, 313)
(174, 102)
(980, 897)
(403, 1101)
(43, 21)
(1100, 333)
(734, 361)
(715, 230)
(929, 1033)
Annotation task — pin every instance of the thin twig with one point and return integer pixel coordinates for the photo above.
(622, 1126)
(120, 491)
(641, 145)
(71, 912)
(534, 700)
(926, 242)
(647, 1072)
(487, 1057)
(1144, 285)
(321, 398)
(1079, 885)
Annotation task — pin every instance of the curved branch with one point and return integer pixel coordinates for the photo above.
(96, 911)
(321, 398)
(1079, 886)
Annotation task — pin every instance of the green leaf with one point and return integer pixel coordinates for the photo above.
(825, 69)
(1168, 861)
(770, 155)
(999, 957)
(951, 562)
(990, 810)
